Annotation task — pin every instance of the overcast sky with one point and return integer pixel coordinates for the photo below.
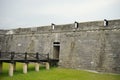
(32, 13)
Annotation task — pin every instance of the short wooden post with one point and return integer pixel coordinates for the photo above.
(25, 55)
(1, 67)
(37, 56)
(11, 69)
(12, 55)
(37, 67)
(47, 65)
(0, 54)
(14, 66)
(25, 68)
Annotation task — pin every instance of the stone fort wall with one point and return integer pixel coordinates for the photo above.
(90, 46)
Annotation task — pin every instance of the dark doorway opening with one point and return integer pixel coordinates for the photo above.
(56, 50)
(56, 53)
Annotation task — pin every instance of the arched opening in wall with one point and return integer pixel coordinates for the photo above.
(56, 50)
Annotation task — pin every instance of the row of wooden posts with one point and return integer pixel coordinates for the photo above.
(12, 67)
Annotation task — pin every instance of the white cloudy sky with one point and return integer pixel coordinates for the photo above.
(28, 13)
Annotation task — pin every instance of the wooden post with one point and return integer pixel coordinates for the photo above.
(24, 68)
(26, 56)
(1, 67)
(37, 67)
(48, 56)
(12, 55)
(11, 69)
(37, 56)
(47, 65)
(14, 66)
(0, 54)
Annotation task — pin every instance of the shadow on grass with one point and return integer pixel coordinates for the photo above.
(3, 74)
(31, 69)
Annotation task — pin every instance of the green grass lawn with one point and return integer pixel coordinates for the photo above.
(54, 74)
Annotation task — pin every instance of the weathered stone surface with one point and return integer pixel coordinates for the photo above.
(11, 69)
(37, 67)
(47, 65)
(25, 66)
(91, 46)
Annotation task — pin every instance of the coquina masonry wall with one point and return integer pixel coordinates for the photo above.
(91, 46)
(3, 40)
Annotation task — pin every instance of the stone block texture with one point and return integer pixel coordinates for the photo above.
(90, 46)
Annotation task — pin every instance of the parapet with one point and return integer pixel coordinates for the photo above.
(84, 26)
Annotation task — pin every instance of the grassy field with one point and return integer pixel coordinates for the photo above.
(54, 74)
